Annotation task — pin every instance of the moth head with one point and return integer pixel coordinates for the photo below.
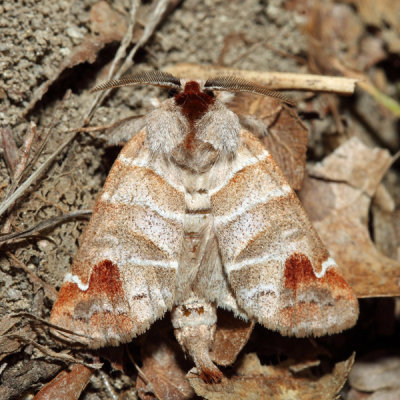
(194, 128)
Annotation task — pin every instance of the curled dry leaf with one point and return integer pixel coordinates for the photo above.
(378, 13)
(255, 381)
(280, 129)
(230, 337)
(66, 385)
(164, 369)
(337, 196)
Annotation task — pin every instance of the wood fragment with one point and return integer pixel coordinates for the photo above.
(273, 80)
(67, 384)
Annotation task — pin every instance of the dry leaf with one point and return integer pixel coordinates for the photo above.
(163, 368)
(20, 377)
(280, 129)
(10, 345)
(107, 22)
(378, 13)
(337, 196)
(10, 149)
(230, 337)
(376, 373)
(387, 232)
(255, 381)
(66, 385)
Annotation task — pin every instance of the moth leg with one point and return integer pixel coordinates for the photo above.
(194, 322)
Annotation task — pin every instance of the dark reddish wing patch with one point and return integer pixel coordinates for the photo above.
(106, 279)
(83, 312)
(299, 272)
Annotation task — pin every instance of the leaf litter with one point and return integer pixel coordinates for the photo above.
(346, 182)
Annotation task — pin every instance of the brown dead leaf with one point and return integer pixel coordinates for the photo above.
(230, 337)
(387, 232)
(164, 372)
(279, 128)
(10, 149)
(255, 381)
(107, 22)
(378, 13)
(66, 385)
(337, 196)
(22, 376)
(10, 345)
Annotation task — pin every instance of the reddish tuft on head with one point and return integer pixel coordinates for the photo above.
(193, 102)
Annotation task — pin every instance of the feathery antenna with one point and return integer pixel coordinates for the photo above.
(154, 78)
(235, 84)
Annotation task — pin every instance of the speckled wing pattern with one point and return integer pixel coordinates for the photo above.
(124, 275)
(279, 271)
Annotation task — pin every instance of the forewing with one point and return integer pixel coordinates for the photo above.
(278, 268)
(124, 274)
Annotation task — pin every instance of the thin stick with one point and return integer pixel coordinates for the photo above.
(121, 52)
(272, 80)
(23, 156)
(155, 18)
(142, 374)
(43, 225)
(50, 291)
(50, 353)
(7, 203)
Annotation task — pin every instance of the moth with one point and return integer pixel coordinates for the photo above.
(194, 215)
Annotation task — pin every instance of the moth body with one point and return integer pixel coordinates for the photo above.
(195, 215)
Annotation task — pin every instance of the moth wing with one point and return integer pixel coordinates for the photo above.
(123, 276)
(280, 272)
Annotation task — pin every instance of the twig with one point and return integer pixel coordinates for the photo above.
(50, 291)
(10, 149)
(142, 374)
(111, 392)
(365, 83)
(127, 39)
(47, 323)
(50, 353)
(155, 18)
(121, 52)
(273, 80)
(23, 156)
(7, 203)
(43, 225)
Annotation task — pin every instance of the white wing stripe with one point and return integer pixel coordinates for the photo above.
(238, 167)
(246, 206)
